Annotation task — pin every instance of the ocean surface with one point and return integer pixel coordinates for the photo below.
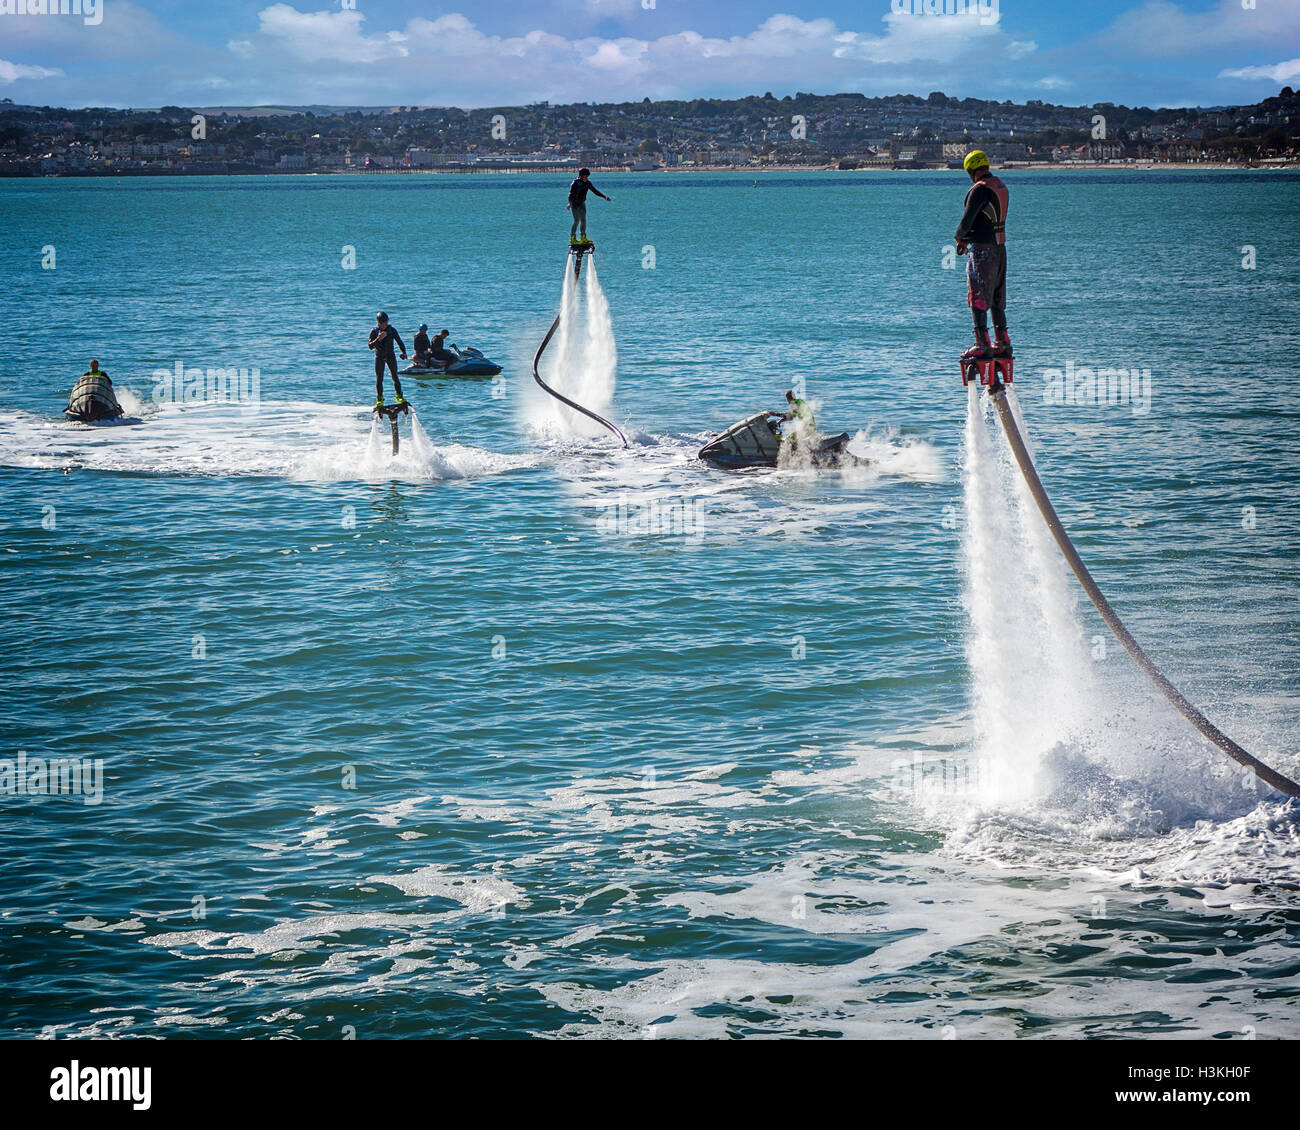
(524, 734)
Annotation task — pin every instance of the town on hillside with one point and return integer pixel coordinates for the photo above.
(843, 131)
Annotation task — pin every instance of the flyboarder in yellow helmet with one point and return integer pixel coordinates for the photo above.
(983, 231)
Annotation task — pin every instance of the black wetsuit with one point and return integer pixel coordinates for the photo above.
(421, 345)
(384, 355)
(985, 216)
(578, 206)
(441, 353)
(578, 192)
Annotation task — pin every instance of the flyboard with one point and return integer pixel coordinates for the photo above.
(577, 250)
(390, 412)
(996, 375)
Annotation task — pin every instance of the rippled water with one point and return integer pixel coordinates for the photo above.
(479, 742)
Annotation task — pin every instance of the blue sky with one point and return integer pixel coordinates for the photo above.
(501, 52)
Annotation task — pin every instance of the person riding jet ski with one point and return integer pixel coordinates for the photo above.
(770, 439)
(423, 350)
(439, 351)
(802, 426)
(92, 397)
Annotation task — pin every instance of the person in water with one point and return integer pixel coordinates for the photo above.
(422, 345)
(802, 425)
(578, 204)
(382, 338)
(983, 231)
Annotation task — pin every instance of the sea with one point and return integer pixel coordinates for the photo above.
(523, 733)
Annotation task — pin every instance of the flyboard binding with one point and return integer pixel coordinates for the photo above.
(391, 412)
(578, 250)
(991, 371)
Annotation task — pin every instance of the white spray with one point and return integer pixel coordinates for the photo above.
(1055, 596)
(418, 457)
(600, 356)
(425, 452)
(1030, 675)
(378, 449)
(581, 361)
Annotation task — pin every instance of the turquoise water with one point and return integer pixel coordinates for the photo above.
(438, 747)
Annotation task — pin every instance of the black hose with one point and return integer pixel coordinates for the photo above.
(555, 325)
(1113, 622)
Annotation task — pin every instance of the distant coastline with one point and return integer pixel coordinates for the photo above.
(753, 135)
(678, 170)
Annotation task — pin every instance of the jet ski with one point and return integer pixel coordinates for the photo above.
(469, 363)
(754, 442)
(93, 400)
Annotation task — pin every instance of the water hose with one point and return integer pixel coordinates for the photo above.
(391, 412)
(537, 357)
(1264, 772)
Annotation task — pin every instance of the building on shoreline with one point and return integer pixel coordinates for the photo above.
(831, 131)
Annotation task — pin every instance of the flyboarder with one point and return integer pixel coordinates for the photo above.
(382, 336)
(983, 231)
(578, 206)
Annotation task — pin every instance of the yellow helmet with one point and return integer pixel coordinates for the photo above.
(976, 159)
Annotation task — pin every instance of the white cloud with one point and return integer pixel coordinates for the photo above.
(1161, 29)
(316, 37)
(12, 72)
(448, 59)
(345, 56)
(1280, 73)
(618, 55)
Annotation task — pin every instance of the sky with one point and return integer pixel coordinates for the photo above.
(474, 53)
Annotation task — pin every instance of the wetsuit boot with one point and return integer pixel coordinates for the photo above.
(1002, 343)
(982, 350)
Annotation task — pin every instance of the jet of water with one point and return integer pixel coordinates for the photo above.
(582, 360)
(1031, 677)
